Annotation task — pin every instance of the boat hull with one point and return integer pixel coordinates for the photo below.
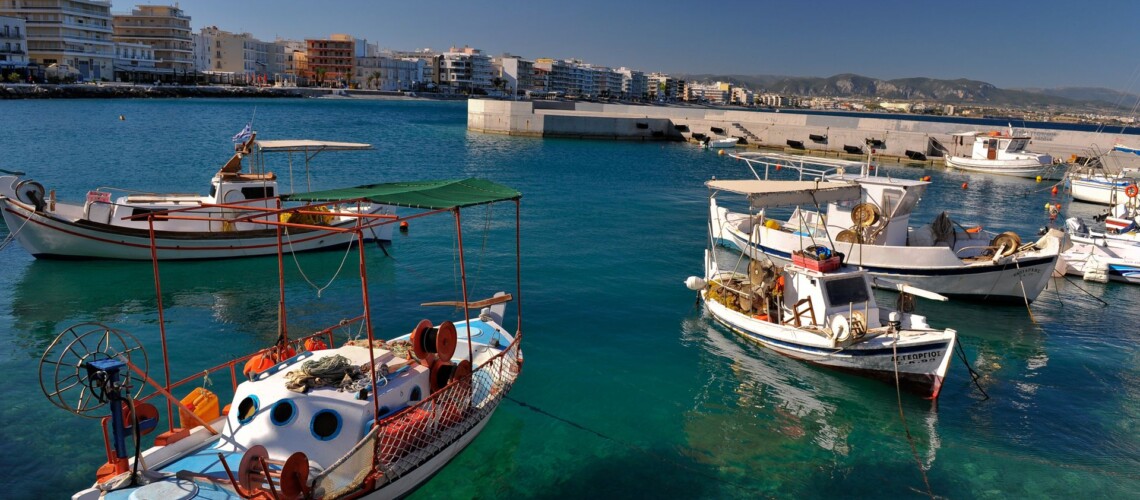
(46, 236)
(1091, 259)
(1104, 191)
(1028, 168)
(921, 363)
(417, 477)
(935, 268)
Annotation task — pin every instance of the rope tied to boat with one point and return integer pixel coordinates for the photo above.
(319, 289)
(902, 415)
(12, 236)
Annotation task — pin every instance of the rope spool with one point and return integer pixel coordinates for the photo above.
(439, 340)
(1008, 242)
(865, 214)
(849, 236)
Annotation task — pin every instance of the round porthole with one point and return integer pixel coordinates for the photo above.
(247, 409)
(416, 394)
(283, 412)
(326, 425)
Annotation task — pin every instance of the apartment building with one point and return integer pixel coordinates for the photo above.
(634, 84)
(712, 93)
(330, 61)
(663, 87)
(167, 30)
(389, 73)
(238, 57)
(73, 35)
(135, 62)
(516, 73)
(466, 70)
(13, 48)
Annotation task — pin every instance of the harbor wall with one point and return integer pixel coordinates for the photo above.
(891, 136)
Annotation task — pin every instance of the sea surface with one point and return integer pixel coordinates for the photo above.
(629, 389)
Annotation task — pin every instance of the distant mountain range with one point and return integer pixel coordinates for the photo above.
(959, 91)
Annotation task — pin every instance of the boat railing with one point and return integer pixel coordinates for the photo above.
(405, 440)
(807, 167)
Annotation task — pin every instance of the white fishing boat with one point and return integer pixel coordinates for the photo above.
(819, 311)
(364, 419)
(1094, 257)
(1002, 153)
(116, 223)
(867, 218)
(1091, 182)
(723, 142)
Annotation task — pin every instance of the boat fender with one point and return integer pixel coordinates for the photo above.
(258, 363)
(315, 344)
(695, 284)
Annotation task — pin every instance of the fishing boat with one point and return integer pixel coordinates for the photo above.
(1091, 182)
(1002, 153)
(724, 142)
(866, 218)
(212, 226)
(1091, 256)
(365, 418)
(817, 310)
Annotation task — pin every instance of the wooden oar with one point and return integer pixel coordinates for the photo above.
(478, 304)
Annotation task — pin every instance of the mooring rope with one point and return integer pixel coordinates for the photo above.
(902, 416)
(12, 236)
(629, 445)
(973, 374)
(319, 289)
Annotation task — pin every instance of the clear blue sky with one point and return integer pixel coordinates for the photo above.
(1009, 43)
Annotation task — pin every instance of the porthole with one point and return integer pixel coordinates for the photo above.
(247, 409)
(326, 425)
(416, 394)
(283, 412)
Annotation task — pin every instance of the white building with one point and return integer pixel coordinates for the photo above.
(13, 47)
(466, 69)
(517, 73)
(239, 57)
(73, 35)
(634, 84)
(388, 73)
(166, 29)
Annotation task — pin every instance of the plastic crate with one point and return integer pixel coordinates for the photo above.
(823, 266)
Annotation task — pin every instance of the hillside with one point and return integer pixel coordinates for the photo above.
(961, 91)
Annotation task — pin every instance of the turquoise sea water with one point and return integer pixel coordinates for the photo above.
(628, 390)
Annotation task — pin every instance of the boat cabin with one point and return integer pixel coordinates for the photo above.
(893, 201)
(994, 145)
(818, 298)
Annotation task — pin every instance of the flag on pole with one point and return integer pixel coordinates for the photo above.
(244, 135)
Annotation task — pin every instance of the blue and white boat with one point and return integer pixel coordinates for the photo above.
(828, 316)
(364, 419)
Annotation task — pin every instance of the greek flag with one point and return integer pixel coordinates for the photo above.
(244, 135)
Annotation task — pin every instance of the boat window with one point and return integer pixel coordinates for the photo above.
(283, 412)
(253, 193)
(326, 425)
(417, 394)
(1017, 145)
(846, 290)
(213, 191)
(142, 212)
(247, 409)
(1004, 146)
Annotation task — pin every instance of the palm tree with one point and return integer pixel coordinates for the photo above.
(375, 79)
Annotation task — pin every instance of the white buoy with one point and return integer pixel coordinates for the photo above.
(695, 284)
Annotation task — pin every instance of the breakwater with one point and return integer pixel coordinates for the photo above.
(890, 135)
(88, 91)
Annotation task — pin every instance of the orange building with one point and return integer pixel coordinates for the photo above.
(330, 61)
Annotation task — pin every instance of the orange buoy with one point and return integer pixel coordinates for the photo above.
(720, 152)
(258, 363)
(871, 168)
(404, 226)
(1054, 190)
(778, 167)
(965, 185)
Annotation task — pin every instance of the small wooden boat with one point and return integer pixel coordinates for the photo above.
(365, 418)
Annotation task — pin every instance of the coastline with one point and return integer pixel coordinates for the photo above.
(134, 91)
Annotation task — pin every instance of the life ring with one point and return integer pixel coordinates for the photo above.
(1132, 191)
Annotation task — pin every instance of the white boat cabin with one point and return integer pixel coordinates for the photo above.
(998, 146)
(817, 298)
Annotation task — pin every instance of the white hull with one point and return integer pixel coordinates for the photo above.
(1095, 259)
(923, 356)
(47, 235)
(723, 143)
(935, 268)
(1028, 168)
(1102, 190)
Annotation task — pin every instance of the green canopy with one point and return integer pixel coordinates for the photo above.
(439, 194)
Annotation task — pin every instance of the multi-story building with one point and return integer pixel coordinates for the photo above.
(742, 96)
(330, 60)
(634, 84)
(239, 57)
(13, 49)
(713, 93)
(73, 35)
(166, 29)
(516, 73)
(385, 72)
(665, 88)
(134, 62)
(295, 61)
(465, 70)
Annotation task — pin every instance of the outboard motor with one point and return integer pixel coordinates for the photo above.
(1076, 226)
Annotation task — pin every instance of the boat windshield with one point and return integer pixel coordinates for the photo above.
(1017, 145)
(846, 290)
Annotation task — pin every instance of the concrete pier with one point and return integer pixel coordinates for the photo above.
(890, 135)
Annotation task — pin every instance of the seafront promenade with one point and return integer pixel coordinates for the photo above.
(889, 135)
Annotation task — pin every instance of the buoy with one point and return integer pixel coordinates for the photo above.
(871, 168)
(1054, 190)
(315, 344)
(965, 185)
(404, 226)
(778, 167)
(122, 118)
(720, 152)
(1038, 178)
(1058, 205)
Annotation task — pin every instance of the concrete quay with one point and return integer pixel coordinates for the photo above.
(890, 135)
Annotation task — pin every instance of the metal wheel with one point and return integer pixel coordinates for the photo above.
(63, 367)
